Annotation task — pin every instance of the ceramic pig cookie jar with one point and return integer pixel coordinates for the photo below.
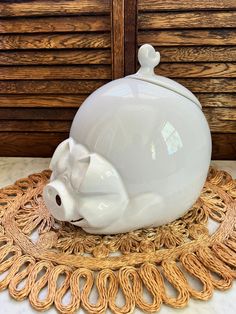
(137, 156)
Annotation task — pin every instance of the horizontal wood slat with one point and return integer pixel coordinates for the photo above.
(55, 24)
(168, 5)
(224, 146)
(217, 100)
(50, 87)
(34, 126)
(197, 54)
(221, 119)
(31, 8)
(55, 41)
(159, 20)
(22, 101)
(197, 69)
(41, 144)
(55, 72)
(44, 144)
(204, 85)
(55, 57)
(188, 37)
(37, 113)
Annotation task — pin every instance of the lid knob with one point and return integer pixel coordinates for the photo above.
(148, 59)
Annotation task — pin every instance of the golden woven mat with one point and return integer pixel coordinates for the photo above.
(38, 254)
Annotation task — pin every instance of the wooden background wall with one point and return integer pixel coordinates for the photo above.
(54, 53)
(197, 42)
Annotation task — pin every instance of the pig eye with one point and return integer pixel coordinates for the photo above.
(58, 200)
(65, 177)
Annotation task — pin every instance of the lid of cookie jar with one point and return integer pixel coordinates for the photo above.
(149, 59)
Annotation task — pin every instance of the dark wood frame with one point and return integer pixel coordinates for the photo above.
(130, 36)
(117, 38)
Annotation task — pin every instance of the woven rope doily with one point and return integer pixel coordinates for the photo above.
(39, 254)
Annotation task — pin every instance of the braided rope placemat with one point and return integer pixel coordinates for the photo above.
(39, 254)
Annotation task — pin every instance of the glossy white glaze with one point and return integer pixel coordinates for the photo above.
(154, 139)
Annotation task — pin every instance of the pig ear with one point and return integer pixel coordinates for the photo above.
(77, 151)
(79, 171)
(101, 178)
(59, 155)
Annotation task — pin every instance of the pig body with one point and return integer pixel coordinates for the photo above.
(137, 155)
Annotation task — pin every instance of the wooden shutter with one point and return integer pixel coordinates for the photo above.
(197, 42)
(53, 54)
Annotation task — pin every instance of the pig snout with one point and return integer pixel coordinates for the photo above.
(58, 200)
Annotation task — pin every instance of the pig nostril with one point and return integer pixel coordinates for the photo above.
(58, 200)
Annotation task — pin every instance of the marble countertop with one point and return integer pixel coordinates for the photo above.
(12, 169)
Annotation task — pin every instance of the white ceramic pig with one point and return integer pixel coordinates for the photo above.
(137, 156)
